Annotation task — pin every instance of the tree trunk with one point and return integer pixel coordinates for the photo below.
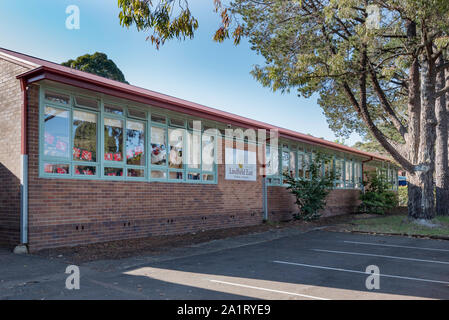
(441, 147)
(426, 159)
(414, 128)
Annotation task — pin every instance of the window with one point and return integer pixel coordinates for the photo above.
(272, 161)
(83, 102)
(194, 149)
(158, 146)
(175, 141)
(339, 171)
(135, 143)
(208, 152)
(87, 138)
(113, 140)
(58, 98)
(300, 164)
(84, 136)
(113, 109)
(292, 164)
(349, 183)
(56, 132)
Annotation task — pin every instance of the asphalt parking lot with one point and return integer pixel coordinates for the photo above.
(316, 265)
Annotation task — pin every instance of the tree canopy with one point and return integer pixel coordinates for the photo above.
(97, 63)
(379, 67)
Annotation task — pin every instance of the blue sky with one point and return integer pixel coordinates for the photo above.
(199, 70)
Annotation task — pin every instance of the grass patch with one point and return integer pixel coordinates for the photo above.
(400, 224)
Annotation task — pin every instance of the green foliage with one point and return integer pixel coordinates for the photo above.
(97, 63)
(403, 196)
(377, 197)
(311, 193)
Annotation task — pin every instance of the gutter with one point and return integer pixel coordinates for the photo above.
(22, 247)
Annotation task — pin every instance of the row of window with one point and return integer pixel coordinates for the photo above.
(296, 161)
(85, 138)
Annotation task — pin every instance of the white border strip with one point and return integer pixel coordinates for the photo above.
(270, 290)
(381, 256)
(396, 246)
(360, 272)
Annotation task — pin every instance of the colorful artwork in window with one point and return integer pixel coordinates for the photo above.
(136, 173)
(113, 172)
(56, 132)
(135, 143)
(158, 146)
(85, 170)
(113, 140)
(56, 168)
(84, 136)
(176, 137)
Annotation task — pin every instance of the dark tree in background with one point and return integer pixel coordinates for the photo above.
(97, 63)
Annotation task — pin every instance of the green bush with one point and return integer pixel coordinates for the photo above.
(403, 196)
(311, 193)
(377, 197)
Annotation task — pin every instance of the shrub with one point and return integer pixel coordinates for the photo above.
(311, 193)
(377, 197)
(403, 196)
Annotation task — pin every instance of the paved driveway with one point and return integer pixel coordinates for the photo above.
(285, 265)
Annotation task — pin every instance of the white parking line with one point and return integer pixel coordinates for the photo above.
(381, 256)
(270, 290)
(396, 246)
(361, 272)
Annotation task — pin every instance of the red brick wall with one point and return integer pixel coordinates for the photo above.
(11, 99)
(281, 203)
(69, 212)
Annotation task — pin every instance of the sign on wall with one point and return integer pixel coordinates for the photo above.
(240, 165)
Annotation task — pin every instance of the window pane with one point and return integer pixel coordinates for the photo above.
(285, 161)
(135, 143)
(339, 169)
(113, 139)
(113, 172)
(272, 159)
(56, 132)
(85, 170)
(156, 174)
(194, 149)
(193, 176)
(138, 173)
(349, 174)
(177, 122)
(300, 164)
(86, 102)
(136, 113)
(208, 149)
(57, 97)
(292, 164)
(175, 141)
(208, 177)
(158, 146)
(158, 119)
(113, 109)
(307, 165)
(56, 168)
(175, 175)
(84, 136)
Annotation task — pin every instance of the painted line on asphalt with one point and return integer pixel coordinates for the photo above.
(397, 246)
(360, 272)
(381, 256)
(270, 290)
